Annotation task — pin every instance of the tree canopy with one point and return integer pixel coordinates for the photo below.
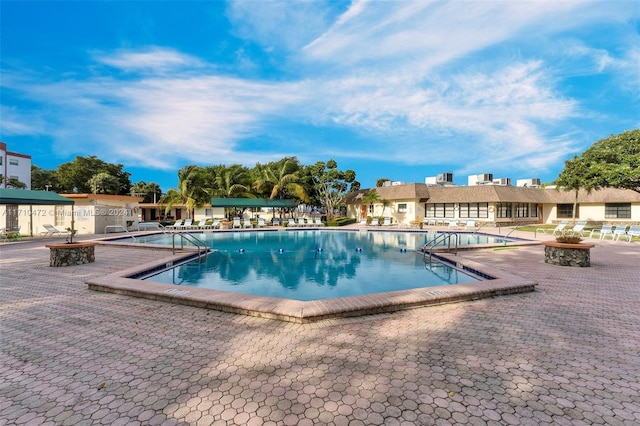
(611, 162)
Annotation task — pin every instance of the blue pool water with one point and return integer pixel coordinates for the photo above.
(312, 265)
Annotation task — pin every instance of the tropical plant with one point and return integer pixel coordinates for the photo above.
(330, 185)
(190, 191)
(611, 162)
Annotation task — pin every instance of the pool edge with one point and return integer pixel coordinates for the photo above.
(307, 311)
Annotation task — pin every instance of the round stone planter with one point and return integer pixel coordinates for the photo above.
(71, 253)
(565, 254)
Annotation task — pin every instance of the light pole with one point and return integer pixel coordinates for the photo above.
(47, 187)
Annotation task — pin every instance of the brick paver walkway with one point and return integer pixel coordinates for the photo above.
(568, 353)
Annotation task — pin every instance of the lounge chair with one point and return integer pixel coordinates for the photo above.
(188, 223)
(205, 224)
(470, 225)
(634, 231)
(559, 228)
(215, 224)
(236, 223)
(387, 221)
(375, 221)
(52, 230)
(301, 222)
(291, 222)
(618, 231)
(261, 223)
(363, 222)
(318, 222)
(602, 232)
(453, 224)
(275, 221)
(175, 225)
(246, 223)
(578, 228)
(429, 222)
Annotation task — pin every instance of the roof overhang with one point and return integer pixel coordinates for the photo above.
(27, 197)
(252, 202)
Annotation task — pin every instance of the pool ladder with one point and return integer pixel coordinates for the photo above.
(203, 249)
(443, 237)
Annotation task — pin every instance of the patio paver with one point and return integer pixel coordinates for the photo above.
(567, 353)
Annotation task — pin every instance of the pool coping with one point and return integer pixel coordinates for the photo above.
(121, 282)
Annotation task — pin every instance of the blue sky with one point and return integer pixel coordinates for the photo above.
(394, 89)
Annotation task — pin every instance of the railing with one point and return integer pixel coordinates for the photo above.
(200, 245)
(121, 227)
(440, 238)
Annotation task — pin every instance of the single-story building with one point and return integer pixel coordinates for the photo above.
(495, 205)
(102, 213)
(26, 211)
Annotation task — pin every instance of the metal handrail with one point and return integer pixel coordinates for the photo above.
(442, 237)
(191, 238)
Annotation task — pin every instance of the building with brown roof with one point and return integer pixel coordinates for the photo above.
(497, 205)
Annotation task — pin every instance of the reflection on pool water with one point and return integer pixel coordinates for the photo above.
(312, 265)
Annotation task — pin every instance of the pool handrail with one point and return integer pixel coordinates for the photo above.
(441, 237)
(192, 239)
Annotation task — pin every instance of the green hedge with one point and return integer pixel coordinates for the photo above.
(341, 221)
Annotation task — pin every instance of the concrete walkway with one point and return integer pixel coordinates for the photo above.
(568, 353)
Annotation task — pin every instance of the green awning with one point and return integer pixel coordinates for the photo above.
(252, 202)
(27, 197)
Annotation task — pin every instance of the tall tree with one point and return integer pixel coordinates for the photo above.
(44, 180)
(190, 191)
(611, 162)
(330, 185)
(74, 176)
(103, 183)
(150, 191)
(281, 179)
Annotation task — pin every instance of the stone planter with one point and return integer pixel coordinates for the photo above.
(226, 225)
(71, 253)
(565, 254)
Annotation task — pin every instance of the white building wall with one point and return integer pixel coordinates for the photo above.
(15, 165)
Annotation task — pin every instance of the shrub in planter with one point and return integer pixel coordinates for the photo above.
(569, 237)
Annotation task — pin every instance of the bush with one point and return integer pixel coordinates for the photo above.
(341, 221)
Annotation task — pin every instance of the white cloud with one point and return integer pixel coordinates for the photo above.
(151, 59)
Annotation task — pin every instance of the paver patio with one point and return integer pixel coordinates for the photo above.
(567, 353)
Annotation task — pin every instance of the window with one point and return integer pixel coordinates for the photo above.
(565, 211)
(370, 208)
(402, 208)
(1, 158)
(440, 210)
(474, 210)
(13, 162)
(533, 210)
(522, 209)
(208, 212)
(503, 210)
(617, 210)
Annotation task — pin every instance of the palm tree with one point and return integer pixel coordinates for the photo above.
(190, 191)
(232, 182)
(370, 197)
(280, 179)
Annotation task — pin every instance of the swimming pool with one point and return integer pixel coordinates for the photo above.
(343, 260)
(312, 265)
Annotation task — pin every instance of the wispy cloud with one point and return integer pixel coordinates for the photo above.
(411, 79)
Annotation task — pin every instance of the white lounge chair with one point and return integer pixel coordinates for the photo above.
(318, 222)
(301, 222)
(375, 221)
(275, 221)
(236, 223)
(188, 223)
(363, 222)
(578, 228)
(470, 225)
(52, 230)
(619, 231)
(602, 232)
(215, 224)
(261, 223)
(560, 227)
(634, 231)
(291, 222)
(175, 225)
(246, 223)
(387, 221)
(453, 224)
